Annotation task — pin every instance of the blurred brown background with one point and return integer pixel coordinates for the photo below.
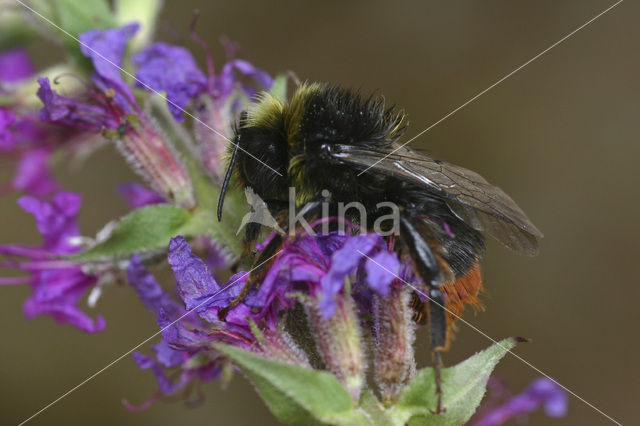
(560, 136)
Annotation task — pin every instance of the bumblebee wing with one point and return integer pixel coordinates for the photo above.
(470, 197)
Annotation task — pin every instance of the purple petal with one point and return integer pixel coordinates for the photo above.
(195, 282)
(242, 74)
(344, 262)
(164, 383)
(167, 356)
(56, 107)
(138, 195)
(149, 291)
(60, 285)
(178, 335)
(15, 65)
(33, 175)
(542, 392)
(143, 361)
(382, 268)
(7, 139)
(106, 49)
(65, 314)
(172, 69)
(57, 284)
(56, 221)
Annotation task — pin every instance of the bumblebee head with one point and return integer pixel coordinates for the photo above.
(279, 144)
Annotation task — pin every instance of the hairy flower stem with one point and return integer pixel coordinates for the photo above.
(339, 343)
(394, 360)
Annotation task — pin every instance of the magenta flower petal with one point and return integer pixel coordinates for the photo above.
(195, 282)
(149, 291)
(7, 119)
(138, 195)
(64, 312)
(15, 65)
(171, 69)
(106, 49)
(74, 112)
(244, 75)
(344, 262)
(542, 392)
(33, 175)
(56, 221)
(57, 285)
(382, 269)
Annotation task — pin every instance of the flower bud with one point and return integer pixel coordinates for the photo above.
(155, 159)
(339, 343)
(278, 345)
(212, 130)
(394, 360)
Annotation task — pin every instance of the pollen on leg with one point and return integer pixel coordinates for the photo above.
(461, 292)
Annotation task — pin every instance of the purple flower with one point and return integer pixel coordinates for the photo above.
(20, 130)
(172, 69)
(106, 107)
(7, 119)
(15, 65)
(95, 113)
(200, 292)
(151, 294)
(243, 75)
(542, 392)
(138, 195)
(182, 341)
(101, 107)
(187, 336)
(106, 49)
(33, 175)
(57, 284)
(321, 264)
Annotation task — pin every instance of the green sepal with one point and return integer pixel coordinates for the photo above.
(295, 394)
(463, 387)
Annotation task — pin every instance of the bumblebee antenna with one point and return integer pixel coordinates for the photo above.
(227, 177)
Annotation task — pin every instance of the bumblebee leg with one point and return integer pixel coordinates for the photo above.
(437, 365)
(256, 273)
(311, 209)
(429, 270)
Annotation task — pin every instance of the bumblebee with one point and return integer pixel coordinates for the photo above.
(330, 138)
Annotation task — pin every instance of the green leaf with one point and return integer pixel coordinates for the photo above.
(145, 229)
(463, 387)
(373, 410)
(298, 395)
(76, 17)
